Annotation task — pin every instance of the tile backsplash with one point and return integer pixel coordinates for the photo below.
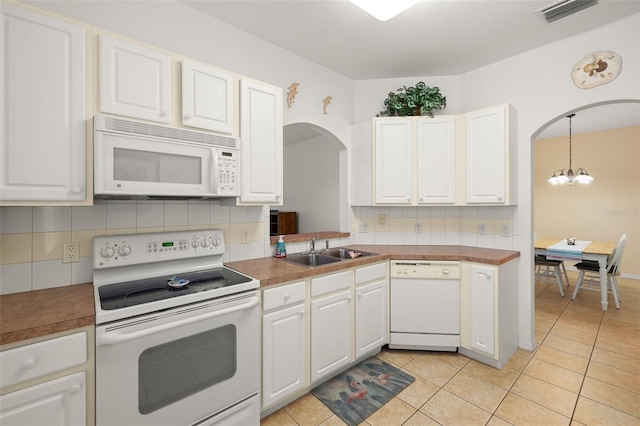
(490, 227)
(31, 238)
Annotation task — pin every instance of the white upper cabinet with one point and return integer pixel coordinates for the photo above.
(436, 150)
(465, 159)
(42, 111)
(207, 98)
(134, 81)
(261, 134)
(489, 167)
(415, 160)
(393, 160)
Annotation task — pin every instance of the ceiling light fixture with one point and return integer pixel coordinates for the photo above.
(384, 10)
(562, 178)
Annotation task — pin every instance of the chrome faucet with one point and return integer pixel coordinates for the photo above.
(312, 244)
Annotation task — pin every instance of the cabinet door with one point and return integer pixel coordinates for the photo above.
(261, 133)
(134, 81)
(43, 107)
(371, 317)
(482, 296)
(485, 156)
(58, 402)
(393, 159)
(436, 150)
(207, 98)
(283, 353)
(331, 339)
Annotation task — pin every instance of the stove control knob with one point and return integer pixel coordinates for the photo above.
(107, 252)
(195, 243)
(216, 241)
(124, 250)
(206, 243)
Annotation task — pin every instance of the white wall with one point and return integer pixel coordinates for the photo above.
(314, 190)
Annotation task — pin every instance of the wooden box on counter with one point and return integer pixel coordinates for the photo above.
(283, 223)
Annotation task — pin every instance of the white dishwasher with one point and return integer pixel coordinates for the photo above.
(425, 305)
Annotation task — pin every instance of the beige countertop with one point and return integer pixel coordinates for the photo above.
(38, 313)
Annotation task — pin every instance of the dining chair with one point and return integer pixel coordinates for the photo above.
(549, 270)
(589, 276)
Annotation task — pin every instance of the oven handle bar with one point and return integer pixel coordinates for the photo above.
(113, 337)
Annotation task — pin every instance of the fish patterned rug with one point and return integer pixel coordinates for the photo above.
(358, 392)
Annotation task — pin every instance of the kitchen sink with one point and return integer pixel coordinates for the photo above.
(343, 253)
(311, 259)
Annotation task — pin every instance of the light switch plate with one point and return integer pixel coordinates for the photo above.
(382, 218)
(506, 230)
(482, 228)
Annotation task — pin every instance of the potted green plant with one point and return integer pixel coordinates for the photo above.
(415, 100)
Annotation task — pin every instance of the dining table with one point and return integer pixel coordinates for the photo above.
(556, 248)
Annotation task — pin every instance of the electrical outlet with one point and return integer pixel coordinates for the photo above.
(70, 252)
(482, 228)
(244, 236)
(506, 230)
(363, 227)
(382, 219)
(418, 228)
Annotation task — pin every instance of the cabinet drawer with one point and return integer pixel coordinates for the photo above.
(39, 359)
(330, 283)
(370, 273)
(283, 296)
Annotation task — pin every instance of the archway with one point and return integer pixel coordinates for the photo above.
(605, 110)
(315, 178)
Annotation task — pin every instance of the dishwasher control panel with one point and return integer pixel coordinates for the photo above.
(440, 269)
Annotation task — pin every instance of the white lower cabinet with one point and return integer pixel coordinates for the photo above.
(331, 339)
(299, 350)
(371, 309)
(284, 342)
(489, 312)
(57, 402)
(483, 313)
(371, 318)
(49, 381)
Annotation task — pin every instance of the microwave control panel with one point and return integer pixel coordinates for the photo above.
(228, 172)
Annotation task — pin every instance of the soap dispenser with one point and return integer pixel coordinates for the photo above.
(281, 251)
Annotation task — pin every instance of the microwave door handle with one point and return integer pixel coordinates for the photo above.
(113, 337)
(214, 176)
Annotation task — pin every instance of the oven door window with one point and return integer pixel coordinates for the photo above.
(175, 370)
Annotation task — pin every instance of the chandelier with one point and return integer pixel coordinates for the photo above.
(567, 176)
(384, 10)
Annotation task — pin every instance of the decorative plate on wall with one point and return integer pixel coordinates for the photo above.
(596, 68)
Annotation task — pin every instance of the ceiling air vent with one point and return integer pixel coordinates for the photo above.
(563, 8)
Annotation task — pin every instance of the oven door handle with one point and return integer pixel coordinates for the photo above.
(112, 337)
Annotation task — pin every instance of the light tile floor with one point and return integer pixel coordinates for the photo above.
(586, 370)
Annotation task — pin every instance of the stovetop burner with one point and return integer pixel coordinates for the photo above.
(131, 293)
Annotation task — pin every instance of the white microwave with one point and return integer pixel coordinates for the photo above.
(139, 160)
